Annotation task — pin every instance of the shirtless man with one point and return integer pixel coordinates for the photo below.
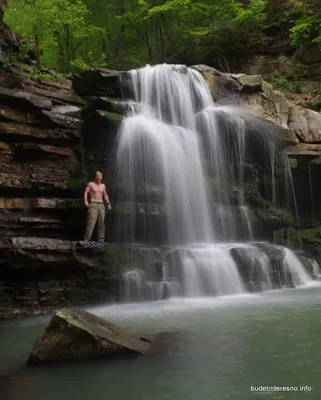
(97, 193)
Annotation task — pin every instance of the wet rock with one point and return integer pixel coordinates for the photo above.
(12, 114)
(307, 264)
(56, 95)
(220, 84)
(70, 110)
(14, 132)
(63, 120)
(100, 82)
(278, 218)
(275, 253)
(304, 149)
(75, 335)
(23, 100)
(105, 104)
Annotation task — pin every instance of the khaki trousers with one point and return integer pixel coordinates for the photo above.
(96, 213)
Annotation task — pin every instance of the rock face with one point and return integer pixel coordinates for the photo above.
(74, 335)
(41, 274)
(40, 155)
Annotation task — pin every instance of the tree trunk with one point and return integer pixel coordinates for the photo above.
(37, 51)
(161, 38)
(121, 35)
(148, 46)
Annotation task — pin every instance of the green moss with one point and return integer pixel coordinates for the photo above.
(312, 235)
(278, 217)
(72, 183)
(253, 198)
(213, 184)
(112, 106)
(4, 310)
(215, 97)
(77, 182)
(119, 257)
(111, 116)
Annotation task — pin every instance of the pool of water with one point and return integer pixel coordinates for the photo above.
(223, 346)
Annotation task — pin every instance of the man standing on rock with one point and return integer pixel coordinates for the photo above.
(96, 209)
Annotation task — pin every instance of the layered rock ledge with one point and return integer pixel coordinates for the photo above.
(39, 274)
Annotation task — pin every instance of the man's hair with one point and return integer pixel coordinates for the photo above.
(98, 172)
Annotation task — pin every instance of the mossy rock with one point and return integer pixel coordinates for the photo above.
(278, 217)
(74, 335)
(253, 198)
(111, 116)
(120, 257)
(312, 235)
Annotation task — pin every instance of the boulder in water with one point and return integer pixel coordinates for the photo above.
(74, 335)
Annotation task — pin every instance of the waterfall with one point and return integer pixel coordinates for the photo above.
(293, 266)
(180, 177)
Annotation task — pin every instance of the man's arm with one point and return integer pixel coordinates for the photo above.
(106, 198)
(87, 190)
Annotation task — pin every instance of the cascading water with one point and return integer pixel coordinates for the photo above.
(180, 178)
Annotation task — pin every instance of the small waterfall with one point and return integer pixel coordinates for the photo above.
(209, 270)
(133, 284)
(315, 268)
(260, 268)
(295, 269)
(310, 166)
(292, 196)
(247, 221)
(181, 163)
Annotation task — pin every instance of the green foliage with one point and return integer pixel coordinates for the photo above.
(312, 235)
(56, 27)
(306, 19)
(283, 84)
(74, 35)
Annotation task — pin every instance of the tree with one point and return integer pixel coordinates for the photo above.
(58, 28)
(306, 17)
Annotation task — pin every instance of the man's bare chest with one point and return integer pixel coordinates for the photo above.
(97, 188)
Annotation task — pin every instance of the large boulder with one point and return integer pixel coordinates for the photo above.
(306, 124)
(74, 335)
(221, 85)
